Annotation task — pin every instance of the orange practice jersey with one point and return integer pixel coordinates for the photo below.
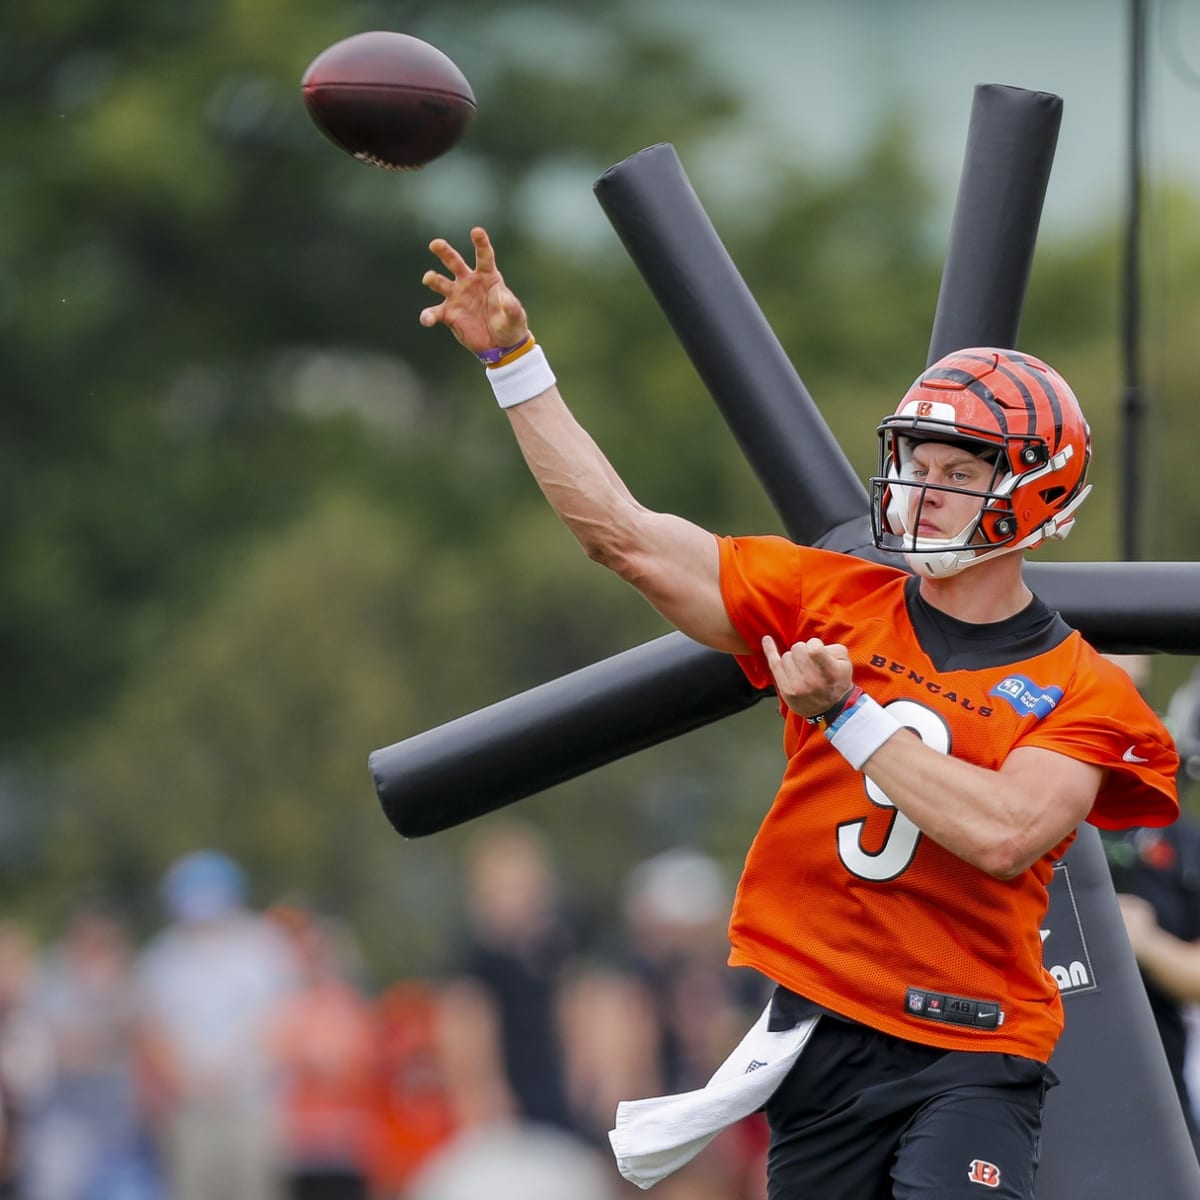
(842, 899)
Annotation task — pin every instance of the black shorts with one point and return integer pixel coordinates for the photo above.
(866, 1116)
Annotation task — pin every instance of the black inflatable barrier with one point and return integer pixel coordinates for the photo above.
(1113, 1126)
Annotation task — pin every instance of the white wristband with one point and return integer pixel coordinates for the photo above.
(860, 730)
(518, 381)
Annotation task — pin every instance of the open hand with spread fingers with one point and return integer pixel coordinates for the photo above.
(477, 306)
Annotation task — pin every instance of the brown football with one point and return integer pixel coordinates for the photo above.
(388, 99)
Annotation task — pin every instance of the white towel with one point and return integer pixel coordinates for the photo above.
(659, 1135)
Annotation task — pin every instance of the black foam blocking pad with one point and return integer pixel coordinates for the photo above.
(529, 742)
(1011, 138)
(1125, 607)
(655, 212)
(1113, 1126)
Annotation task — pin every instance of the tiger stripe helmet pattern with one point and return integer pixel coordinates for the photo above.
(1010, 409)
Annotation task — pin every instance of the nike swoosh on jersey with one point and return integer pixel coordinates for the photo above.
(1130, 757)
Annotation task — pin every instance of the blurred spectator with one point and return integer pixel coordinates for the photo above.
(516, 1162)
(1183, 720)
(503, 1050)
(415, 1113)
(1157, 876)
(676, 909)
(209, 982)
(1191, 1058)
(84, 1138)
(323, 1047)
(25, 1061)
(1156, 873)
(613, 1037)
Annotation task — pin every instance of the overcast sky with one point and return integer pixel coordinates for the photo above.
(821, 76)
(827, 73)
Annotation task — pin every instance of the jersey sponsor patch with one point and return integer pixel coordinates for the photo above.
(1026, 697)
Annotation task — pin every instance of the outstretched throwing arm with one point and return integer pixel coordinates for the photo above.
(672, 562)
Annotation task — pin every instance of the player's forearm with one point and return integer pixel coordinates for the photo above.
(949, 800)
(673, 563)
(972, 811)
(574, 475)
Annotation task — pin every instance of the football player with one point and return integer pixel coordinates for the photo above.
(945, 734)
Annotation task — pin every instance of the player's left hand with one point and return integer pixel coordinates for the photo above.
(811, 676)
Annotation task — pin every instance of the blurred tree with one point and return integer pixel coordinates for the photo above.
(183, 251)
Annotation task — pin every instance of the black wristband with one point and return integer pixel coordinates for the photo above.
(832, 713)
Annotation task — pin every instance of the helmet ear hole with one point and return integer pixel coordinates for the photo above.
(1053, 494)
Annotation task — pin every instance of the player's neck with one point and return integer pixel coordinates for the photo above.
(992, 591)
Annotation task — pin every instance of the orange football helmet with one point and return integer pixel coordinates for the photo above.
(1010, 409)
